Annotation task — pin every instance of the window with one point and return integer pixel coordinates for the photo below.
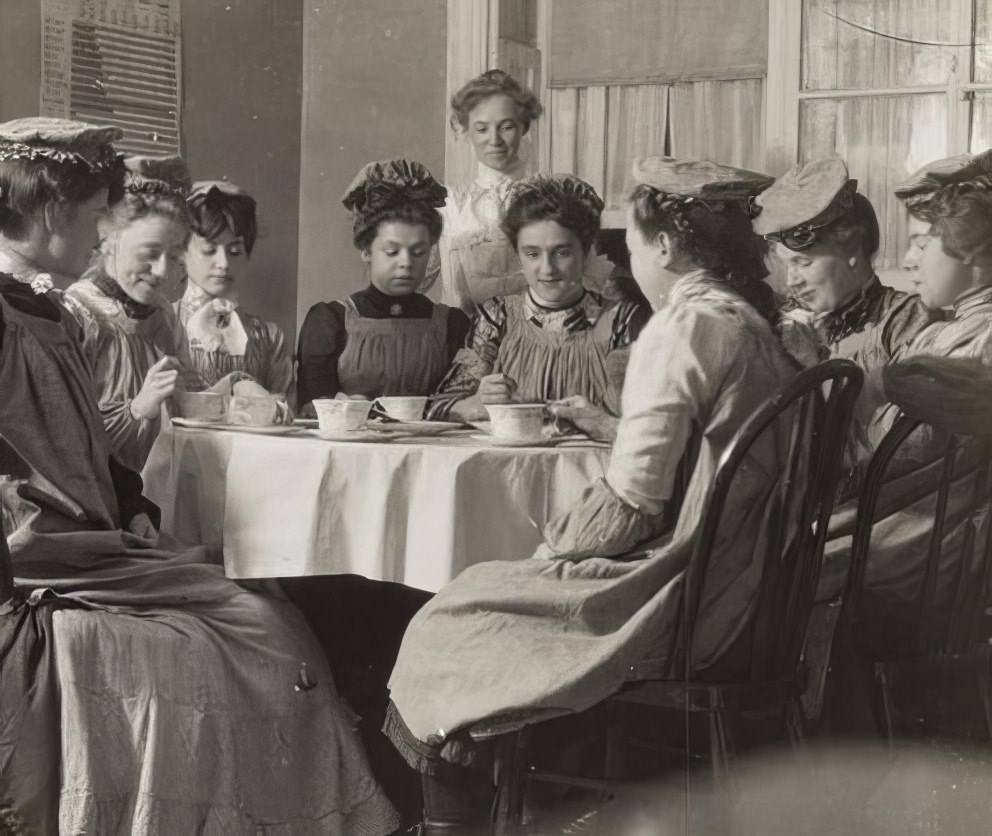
(887, 86)
(115, 62)
(653, 79)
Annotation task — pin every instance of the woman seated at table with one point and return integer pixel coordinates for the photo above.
(955, 273)
(386, 339)
(222, 340)
(564, 629)
(131, 335)
(140, 690)
(556, 339)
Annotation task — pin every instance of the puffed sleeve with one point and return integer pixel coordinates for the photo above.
(474, 361)
(675, 370)
(130, 438)
(279, 373)
(322, 339)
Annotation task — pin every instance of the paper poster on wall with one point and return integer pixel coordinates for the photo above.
(115, 62)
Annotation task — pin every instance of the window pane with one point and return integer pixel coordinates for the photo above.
(981, 123)
(855, 44)
(883, 140)
(983, 41)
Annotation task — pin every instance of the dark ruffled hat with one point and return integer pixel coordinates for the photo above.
(389, 183)
(804, 199)
(922, 191)
(205, 187)
(61, 140)
(698, 179)
(159, 175)
(559, 189)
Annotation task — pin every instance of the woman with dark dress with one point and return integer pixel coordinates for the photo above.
(386, 339)
(141, 691)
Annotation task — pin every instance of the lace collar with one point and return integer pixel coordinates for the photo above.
(25, 272)
(490, 178)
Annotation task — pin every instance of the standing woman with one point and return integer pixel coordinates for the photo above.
(494, 112)
(386, 339)
(221, 339)
(131, 336)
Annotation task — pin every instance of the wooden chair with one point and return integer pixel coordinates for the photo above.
(822, 403)
(945, 634)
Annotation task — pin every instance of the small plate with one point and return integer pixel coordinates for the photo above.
(306, 422)
(361, 435)
(196, 423)
(419, 427)
(497, 441)
(273, 429)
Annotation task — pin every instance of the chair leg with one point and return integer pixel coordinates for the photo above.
(716, 748)
(984, 690)
(794, 724)
(881, 677)
(721, 746)
(615, 738)
(508, 805)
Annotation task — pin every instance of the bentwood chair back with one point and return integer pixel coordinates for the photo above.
(817, 408)
(949, 478)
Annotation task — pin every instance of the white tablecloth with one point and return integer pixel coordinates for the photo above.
(415, 512)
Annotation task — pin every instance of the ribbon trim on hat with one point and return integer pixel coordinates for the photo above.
(106, 158)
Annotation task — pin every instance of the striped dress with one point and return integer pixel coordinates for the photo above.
(266, 357)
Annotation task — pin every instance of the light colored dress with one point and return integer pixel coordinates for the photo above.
(266, 357)
(140, 690)
(474, 261)
(549, 353)
(902, 531)
(566, 628)
(122, 342)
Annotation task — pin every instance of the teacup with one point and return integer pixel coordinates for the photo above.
(403, 408)
(338, 416)
(254, 410)
(516, 420)
(202, 406)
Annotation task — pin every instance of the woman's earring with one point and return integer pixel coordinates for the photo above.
(853, 262)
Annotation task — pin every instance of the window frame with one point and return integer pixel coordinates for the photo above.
(784, 93)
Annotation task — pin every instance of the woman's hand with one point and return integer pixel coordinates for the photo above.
(160, 384)
(595, 422)
(468, 410)
(142, 526)
(496, 389)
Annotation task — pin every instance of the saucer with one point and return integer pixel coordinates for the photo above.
(196, 423)
(418, 427)
(500, 441)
